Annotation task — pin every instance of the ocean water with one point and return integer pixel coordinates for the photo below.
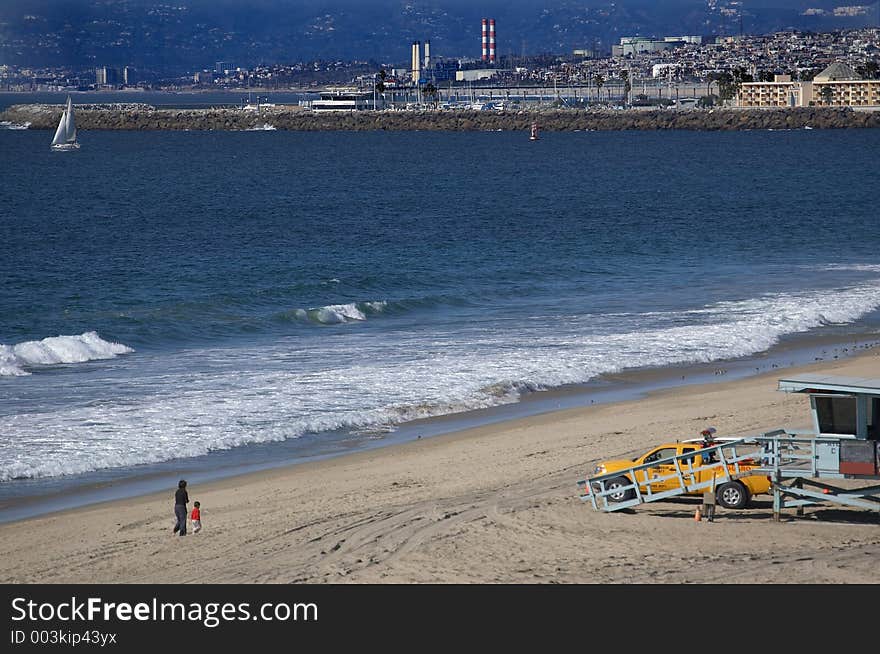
(169, 298)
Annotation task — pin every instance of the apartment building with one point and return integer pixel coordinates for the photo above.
(836, 86)
(781, 92)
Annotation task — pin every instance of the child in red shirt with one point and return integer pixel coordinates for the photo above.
(196, 518)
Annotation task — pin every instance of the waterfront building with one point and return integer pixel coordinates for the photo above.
(444, 70)
(836, 86)
(637, 45)
(345, 99)
(696, 40)
(475, 74)
(847, 93)
(840, 86)
(781, 92)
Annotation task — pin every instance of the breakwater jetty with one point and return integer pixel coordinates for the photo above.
(146, 117)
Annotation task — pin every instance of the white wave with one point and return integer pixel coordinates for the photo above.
(197, 401)
(10, 365)
(340, 313)
(376, 307)
(88, 346)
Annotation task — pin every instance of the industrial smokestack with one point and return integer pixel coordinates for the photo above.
(485, 40)
(416, 62)
(427, 56)
(491, 40)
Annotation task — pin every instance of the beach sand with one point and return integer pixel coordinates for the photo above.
(495, 504)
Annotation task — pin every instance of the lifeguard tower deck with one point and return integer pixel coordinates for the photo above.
(844, 444)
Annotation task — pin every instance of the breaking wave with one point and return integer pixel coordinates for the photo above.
(88, 346)
(295, 387)
(334, 314)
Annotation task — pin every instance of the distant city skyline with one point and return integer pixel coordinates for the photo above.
(190, 34)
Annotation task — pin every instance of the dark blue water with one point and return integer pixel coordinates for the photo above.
(169, 295)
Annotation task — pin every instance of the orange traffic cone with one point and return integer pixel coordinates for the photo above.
(697, 515)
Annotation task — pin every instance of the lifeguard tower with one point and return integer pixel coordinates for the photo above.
(844, 444)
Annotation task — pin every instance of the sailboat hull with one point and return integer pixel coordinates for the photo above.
(66, 146)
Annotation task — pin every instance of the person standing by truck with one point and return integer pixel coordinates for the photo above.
(708, 441)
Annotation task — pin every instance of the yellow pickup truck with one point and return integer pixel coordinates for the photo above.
(731, 494)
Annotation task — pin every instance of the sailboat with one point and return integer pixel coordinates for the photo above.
(65, 135)
(534, 135)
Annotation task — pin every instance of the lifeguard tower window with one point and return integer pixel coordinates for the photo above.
(873, 410)
(837, 415)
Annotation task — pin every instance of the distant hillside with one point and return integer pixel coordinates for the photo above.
(188, 34)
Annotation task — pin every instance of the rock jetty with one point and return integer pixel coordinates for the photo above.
(147, 117)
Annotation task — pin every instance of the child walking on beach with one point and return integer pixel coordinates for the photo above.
(196, 518)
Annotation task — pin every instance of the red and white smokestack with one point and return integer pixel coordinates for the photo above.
(491, 40)
(485, 39)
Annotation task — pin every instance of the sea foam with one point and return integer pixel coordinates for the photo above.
(88, 346)
(196, 401)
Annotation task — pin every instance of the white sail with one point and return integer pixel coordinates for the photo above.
(61, 132)
(65, 135)
(71, 125)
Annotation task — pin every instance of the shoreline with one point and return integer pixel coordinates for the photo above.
(42, 496)
(291, 118)
(490, 504)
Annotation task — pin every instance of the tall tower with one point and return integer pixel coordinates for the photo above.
(485, 39)
(428, 58)
(491, 40)
(416, 63)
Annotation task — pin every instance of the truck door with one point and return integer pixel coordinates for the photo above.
(687, 463)
(654, 475)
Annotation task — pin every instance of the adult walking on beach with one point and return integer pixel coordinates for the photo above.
(181, 499)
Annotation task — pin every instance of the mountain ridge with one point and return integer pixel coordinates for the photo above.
(190, 34)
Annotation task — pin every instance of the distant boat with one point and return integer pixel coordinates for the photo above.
(8, 124)
(534, 135)
(265, 127)
(65, 135)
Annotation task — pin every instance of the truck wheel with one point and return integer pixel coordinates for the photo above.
(619, 495)
(732, 495)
